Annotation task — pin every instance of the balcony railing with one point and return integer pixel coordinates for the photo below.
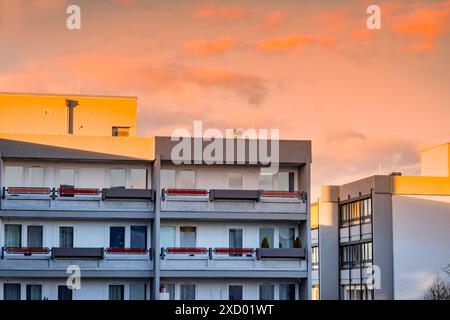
(224, 200)
(82, 199)
(73, 253)
(257, 253)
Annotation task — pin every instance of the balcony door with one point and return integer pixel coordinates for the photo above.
(188, 237)
(235, 240)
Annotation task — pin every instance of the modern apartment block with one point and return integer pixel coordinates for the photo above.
(80, 190)
(383, 237)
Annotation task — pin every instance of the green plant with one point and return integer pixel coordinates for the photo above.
(265, 243)
(297, 243)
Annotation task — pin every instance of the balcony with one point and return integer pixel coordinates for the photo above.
(233, 262)
(136, 202)
(93, 262)
(232, 204)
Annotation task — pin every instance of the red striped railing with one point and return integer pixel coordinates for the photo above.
(280, 194)
(186, 250)
(186, 192)
(27, 251)
(126, 250)
(246, 251)
(78, 191)
(28, 190)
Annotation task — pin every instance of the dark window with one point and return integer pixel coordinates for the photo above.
(138, 291)
(355, 254)
(66, 237)
(138, 237)
(116, 292)
(235, 240)
(170, 288)
(13, 235)
(287, 291)
(11, 291)
(64, 293)
(286, 181)
(235, 292)
(187, 292)
(266, 233)
(120, 131)
(266, 292)
(34, 235)
(117, 237)
(34, 292)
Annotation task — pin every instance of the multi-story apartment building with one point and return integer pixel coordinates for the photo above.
(80, 190)
(383, 237)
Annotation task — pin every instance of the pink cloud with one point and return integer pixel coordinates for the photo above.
(205, 47)
(283, 44)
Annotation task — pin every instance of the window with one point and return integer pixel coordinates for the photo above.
(286, 237)
(235, 240)
(13, 235)
(34, 292)
(187, 292)
(266, 181)
(286, 181)
(118, 178)
(355, 254)
(187, 179)
(170, 288)
(167, 237)
(116, 292)
(315, 258)
(138, 237)
(138, 291)
(11, 291)
(315, 293)
(235, 180)
(287, 291)
(266, 292)
(66, 178)
(168, 179)
(138, 179)
(36, 177)
(266, 233)
(188, 237)
(235, 292)
(34, 235)
(117, 237)
(120, 131)
(66, 237)
(13, 176)
(64, 293)
(356, 212)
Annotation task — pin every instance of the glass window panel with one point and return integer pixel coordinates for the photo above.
(66, 177)
(13, 235)
(170, 288)
(286, 181)
(34, 236)
(11, 291)
(187, 179)
(13, 176)
(168, 179)
(66, 237)
(138, 291)
(120, 131)
(138, 179)
(235, 240)
(64, 293)
(266, 232)
(118, 178)
(187, 292)
(287, 291)
(116, 292)
(286, 236)
(235, 292)
(266, 181)
(235, 180)
(117, 237)
(266, 292)
(34, 292)
(188, 237)
(138, 237)
(167, 237)
(36, 177)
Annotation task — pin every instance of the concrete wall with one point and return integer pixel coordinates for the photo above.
(421, 241)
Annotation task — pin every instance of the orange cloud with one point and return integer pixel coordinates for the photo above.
(204, 47)
(282, 44)
(426, 24)
(273, 19)
(223, 12)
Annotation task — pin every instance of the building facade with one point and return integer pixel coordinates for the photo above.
(383, 237)
(83, 198)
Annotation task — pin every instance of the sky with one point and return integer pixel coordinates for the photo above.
(369, 100)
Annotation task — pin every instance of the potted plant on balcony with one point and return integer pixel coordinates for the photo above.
(297, 243)
(265, 243)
